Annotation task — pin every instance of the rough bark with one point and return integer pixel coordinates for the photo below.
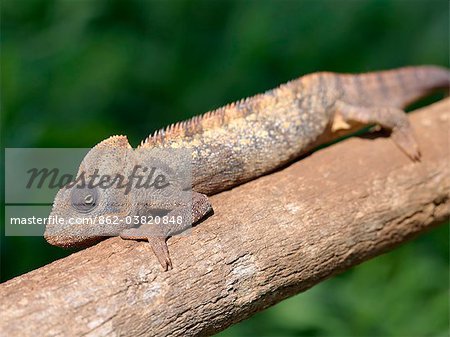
(268, 239)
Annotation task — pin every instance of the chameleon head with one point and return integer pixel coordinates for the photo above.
(90, 208)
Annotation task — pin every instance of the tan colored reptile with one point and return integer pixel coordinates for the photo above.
(239, 142)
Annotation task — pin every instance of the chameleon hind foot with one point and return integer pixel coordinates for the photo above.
(391, 119)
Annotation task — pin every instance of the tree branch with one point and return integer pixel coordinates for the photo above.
(268, 239)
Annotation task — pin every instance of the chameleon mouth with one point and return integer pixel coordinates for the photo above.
(67, 241)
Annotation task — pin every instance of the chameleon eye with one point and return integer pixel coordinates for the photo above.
(89, 199)
(84, 199)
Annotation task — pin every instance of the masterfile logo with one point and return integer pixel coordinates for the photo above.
(140, 177)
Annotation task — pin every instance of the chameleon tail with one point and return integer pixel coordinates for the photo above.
(401, 87)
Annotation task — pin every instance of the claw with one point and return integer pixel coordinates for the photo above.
(405, 140)
(159, 247)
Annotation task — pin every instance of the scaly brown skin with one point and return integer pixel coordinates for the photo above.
(247, 139)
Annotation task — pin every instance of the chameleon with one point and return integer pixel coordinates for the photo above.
(240, 142)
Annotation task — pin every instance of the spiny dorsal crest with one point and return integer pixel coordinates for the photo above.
(209, 120)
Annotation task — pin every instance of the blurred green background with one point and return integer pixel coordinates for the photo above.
(76, 72)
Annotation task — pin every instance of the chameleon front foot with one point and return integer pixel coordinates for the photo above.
(157, 243)
(159, 247)
(157, 235)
